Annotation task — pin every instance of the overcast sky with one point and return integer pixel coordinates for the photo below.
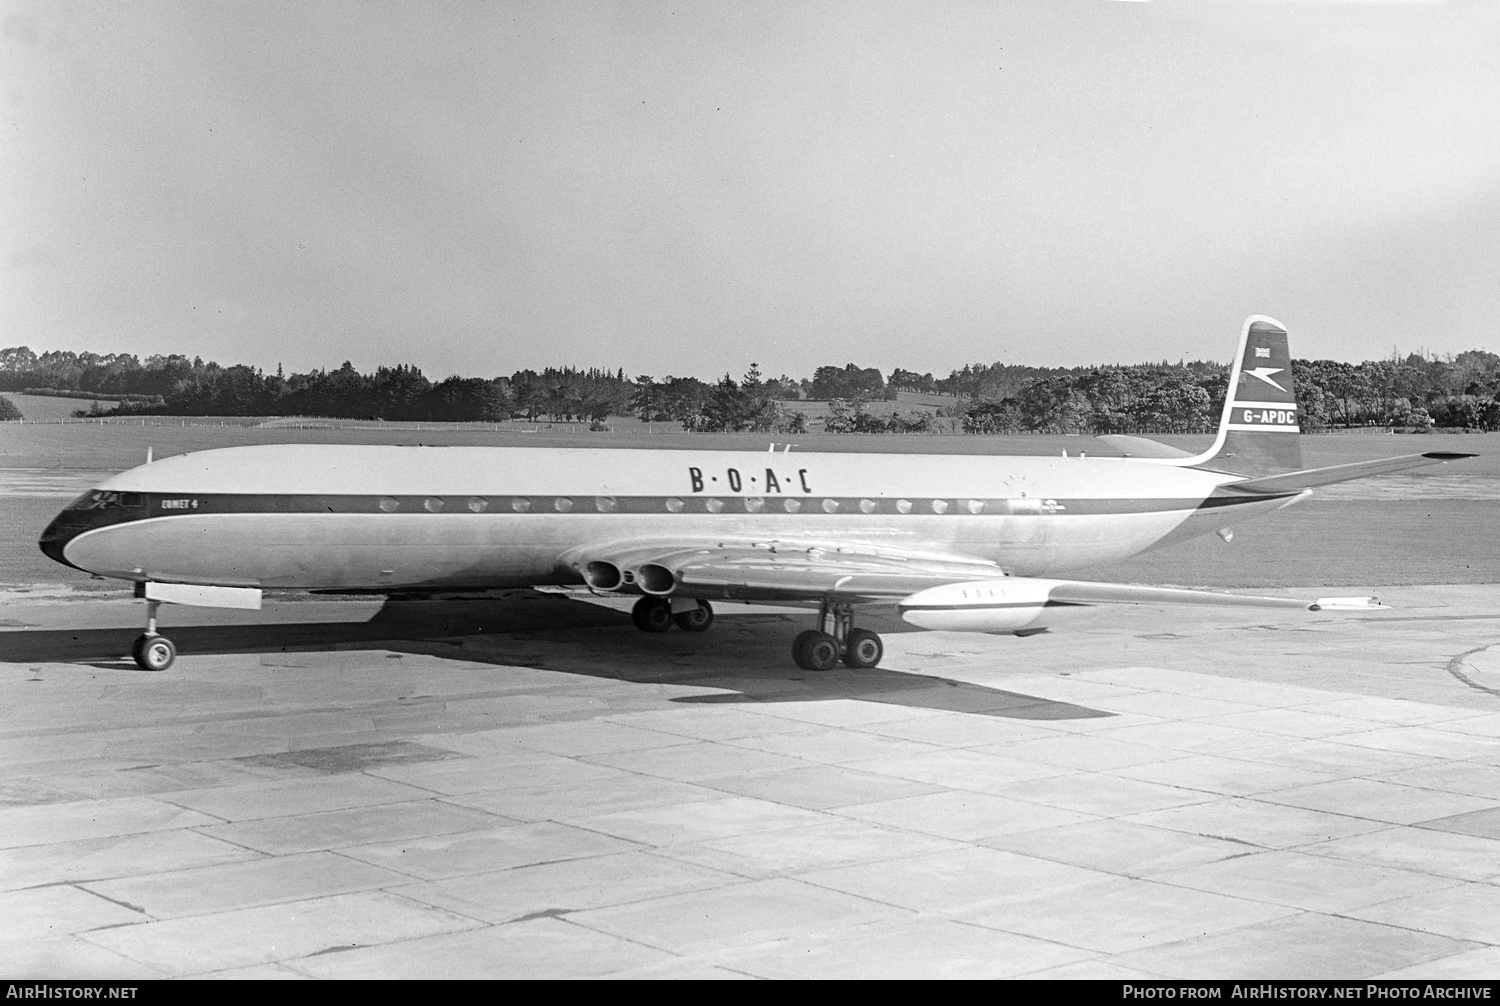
(685, 188)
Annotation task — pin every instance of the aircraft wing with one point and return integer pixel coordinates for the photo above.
(1310, 477)
(923, 582)
(1083, 592)
(1026, 603)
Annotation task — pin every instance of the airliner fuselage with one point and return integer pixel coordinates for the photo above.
(386, 518)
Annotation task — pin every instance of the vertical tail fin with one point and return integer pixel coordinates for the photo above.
(1258, 431)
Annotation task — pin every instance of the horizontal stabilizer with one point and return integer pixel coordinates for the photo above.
(1310, 477)
(1141, 447)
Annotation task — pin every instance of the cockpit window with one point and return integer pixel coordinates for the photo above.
(104, 500)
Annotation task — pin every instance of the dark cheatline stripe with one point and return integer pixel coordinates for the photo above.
(119, 507)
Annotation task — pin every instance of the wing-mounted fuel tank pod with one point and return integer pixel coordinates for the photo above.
(1019, 605)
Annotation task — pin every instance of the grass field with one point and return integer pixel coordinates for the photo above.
(905, 402)
(117, 446)
(46, 408)
(1432, 526)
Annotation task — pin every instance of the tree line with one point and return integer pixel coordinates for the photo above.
(1415, 392)
(1412, 393)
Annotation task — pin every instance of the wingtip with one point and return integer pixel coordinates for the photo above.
(1348, 604)
(1448, 455)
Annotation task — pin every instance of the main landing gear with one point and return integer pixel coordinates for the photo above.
(153, 652)
(658, 614)
(818, 649)
(836, 638)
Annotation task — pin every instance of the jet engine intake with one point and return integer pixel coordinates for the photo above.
(600, 575)
(654, 578)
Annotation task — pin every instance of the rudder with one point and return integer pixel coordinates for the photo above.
(1258, 430)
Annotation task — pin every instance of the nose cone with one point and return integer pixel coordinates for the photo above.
(92, 511)
(57, 535)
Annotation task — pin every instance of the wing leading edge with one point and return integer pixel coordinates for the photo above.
(1017, 604)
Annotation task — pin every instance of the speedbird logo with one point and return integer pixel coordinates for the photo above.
(1264, 374)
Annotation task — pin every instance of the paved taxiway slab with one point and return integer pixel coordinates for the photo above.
(527, 787)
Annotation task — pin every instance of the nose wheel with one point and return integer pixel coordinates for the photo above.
(836, 639)
(153, 652)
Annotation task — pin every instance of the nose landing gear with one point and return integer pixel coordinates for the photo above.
(836, 638)
(153, 652)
